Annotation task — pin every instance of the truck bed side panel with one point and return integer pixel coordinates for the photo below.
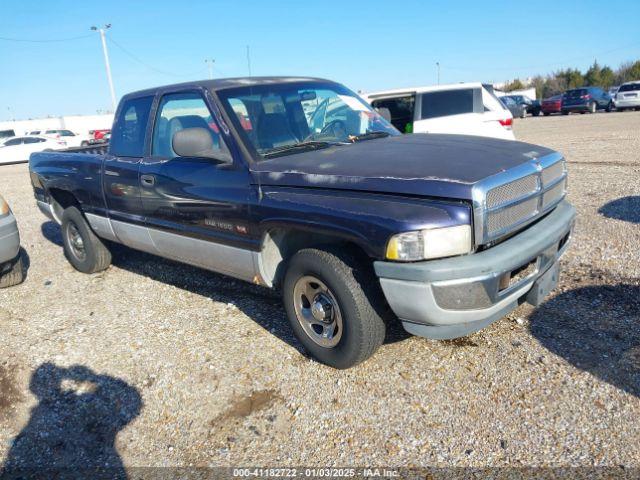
(77, 173)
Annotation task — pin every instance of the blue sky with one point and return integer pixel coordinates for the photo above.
(364, 44)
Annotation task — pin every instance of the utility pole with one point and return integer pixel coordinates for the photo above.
(210, 63)
(106, 62)
(248, 60)
(438, 67)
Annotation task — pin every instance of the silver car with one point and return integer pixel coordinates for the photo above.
(11, 268)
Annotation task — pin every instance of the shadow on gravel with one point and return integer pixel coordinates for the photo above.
(596, 329)
(72, 429)
(625, 208)
(262, 305)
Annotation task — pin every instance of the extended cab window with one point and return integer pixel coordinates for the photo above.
(178, 111)
(130, 126)
(451, 102)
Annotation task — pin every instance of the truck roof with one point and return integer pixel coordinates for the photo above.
(224, 83)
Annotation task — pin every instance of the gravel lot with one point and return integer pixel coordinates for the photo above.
(153, 363)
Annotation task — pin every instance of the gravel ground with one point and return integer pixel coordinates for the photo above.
(153, 363)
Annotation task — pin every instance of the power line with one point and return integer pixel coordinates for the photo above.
(150, 67)
(53, 40)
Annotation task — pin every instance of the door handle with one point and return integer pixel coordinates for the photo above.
(147, 180)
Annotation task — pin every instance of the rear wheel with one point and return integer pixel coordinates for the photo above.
(15, 274)
(536, 112)
(592, 107)
(546, 114)
(84, 250)
(565, 112)
(334, 306)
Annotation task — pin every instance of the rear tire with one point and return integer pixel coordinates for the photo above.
(15, 275)
(546, 114)
(593, 107)
(330, 293)
(84, 250)
(565, 112)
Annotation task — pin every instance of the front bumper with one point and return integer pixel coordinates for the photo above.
(9, 239)
(455, 296)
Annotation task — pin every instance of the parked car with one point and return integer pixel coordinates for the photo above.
(612, 93)
(463, 108)
(586, 99)
(628, 96)
(552, 105)
(11, 266)
(532, 106)
(18, 149)
(72, 139)
(518, 110)
(7, 134)
(347, 217)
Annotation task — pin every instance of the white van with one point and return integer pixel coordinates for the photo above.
(461, 108)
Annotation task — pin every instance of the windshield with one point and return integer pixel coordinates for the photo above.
(294, 117)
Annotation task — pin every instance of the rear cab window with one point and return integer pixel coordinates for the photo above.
(129, 129)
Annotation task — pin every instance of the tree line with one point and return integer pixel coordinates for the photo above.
(561, 80)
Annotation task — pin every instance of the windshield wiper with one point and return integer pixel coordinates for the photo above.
(296, 147)
(369, 136)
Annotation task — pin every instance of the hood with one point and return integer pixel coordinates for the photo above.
(434, 165)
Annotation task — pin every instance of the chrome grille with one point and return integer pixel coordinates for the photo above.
(505, 217)
(511, 199)
(554, 194)
(552, 173)
(512, 191)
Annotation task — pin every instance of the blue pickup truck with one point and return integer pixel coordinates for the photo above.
(298, 184)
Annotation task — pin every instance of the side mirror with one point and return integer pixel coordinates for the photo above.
(196, 142)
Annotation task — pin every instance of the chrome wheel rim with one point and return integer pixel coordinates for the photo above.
(75, 242)
(317, 311)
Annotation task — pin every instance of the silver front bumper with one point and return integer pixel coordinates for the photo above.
(452, 297)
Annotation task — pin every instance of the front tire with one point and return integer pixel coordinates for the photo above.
(15, 275)
(84, 250)
(334, 306)
(610, 107)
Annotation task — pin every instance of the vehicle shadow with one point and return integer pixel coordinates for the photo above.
(625, 208)
(596, 329)
(262, 305)
(72, 430)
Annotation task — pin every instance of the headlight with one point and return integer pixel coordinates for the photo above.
(4, 207)
(432, 243)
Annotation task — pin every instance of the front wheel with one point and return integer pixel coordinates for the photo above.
(610, 107)
(334, 306)
(84, 250)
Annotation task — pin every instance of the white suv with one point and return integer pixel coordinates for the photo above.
(462, 108)
(628, 96)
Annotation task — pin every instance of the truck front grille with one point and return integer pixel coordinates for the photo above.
(511, 199)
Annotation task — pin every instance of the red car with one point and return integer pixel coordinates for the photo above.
(99, 134)
(552, 105)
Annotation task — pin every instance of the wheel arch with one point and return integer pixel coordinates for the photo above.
(280, 243)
